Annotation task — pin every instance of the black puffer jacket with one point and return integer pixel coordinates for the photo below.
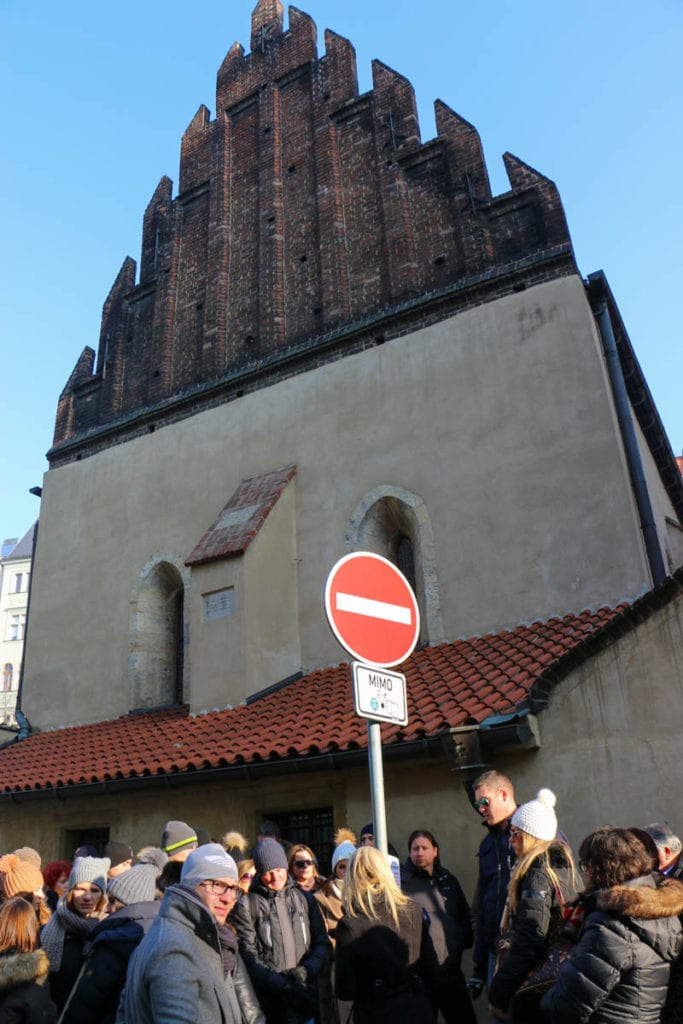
(537, 901)
(619, 969)
(24, 992)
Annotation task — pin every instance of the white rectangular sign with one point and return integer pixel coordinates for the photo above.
(379, 695)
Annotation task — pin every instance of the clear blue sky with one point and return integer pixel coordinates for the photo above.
(95, 98)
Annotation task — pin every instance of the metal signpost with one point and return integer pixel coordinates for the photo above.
(373, 613)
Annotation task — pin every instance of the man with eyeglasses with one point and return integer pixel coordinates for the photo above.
(494, 800)
(282, 939)
(187, 968)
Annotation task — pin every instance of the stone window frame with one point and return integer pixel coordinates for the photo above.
(166, 564)
(381, 518)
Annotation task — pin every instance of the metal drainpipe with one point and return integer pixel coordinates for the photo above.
(628, 434)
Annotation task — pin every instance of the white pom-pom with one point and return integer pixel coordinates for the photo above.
(547, 797)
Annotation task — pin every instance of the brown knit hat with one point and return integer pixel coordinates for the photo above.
(17, 876)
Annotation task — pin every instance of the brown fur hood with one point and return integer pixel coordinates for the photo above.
(21, 968)
(643, 898)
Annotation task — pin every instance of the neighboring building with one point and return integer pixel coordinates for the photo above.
(15, 572)
(340, 339)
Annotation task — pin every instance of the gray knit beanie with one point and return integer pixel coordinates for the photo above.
(269, 855)
(89, 869)
(208, 861)
(537, 817)
(137, 885)
(176, 835)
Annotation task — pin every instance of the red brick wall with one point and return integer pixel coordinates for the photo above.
(303, 208)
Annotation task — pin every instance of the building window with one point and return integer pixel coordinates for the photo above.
(7, 676)
(313, 828)
(95, 837)
(17, 624)
(155, 664)
(20, 583)
(395, 523)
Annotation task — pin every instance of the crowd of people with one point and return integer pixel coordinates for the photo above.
(200, 931)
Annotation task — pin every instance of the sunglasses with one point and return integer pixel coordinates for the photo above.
(221, 888)
(247, 876)
(514, 832)
(483, 801)
(302, 863)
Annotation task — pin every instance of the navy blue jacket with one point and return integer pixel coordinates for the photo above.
(491, 893)
(111, 945)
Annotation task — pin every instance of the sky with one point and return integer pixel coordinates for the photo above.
(94, 99)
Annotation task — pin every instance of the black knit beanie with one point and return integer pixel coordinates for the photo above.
(269, 855)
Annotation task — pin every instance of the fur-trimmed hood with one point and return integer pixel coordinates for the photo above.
(22, 968)
(649, 908)
(643, 898)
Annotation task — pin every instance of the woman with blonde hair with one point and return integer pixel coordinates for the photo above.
(24, 993)
(382, 950)
(543, 879)
(303, 867)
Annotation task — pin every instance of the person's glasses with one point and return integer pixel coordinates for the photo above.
(247, 876)
(221, 888)
(303, 863)
(342, 865)
(483, 801)
(514, 832)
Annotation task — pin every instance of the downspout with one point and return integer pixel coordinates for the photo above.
(628, 435)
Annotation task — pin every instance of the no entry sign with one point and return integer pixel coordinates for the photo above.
(372, 609)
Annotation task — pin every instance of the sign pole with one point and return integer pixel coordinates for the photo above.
(377, 786)
(373, 612)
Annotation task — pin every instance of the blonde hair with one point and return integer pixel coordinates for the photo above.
(369, 883)
(18, 926)
(532, 850)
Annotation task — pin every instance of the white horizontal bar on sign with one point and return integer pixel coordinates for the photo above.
(374, 609)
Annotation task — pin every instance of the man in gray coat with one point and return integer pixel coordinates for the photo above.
(187, 968)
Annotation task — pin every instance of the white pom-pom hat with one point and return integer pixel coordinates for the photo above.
(537, 817)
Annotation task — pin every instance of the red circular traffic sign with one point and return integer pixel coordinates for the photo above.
(372, 609)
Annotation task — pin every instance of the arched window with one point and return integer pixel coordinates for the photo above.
(7, 676)
(155, 664)
(395, 523)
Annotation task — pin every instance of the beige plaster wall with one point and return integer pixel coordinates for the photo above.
(229, 658)
(499, 419)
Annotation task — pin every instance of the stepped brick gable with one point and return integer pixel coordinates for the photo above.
(304, 210)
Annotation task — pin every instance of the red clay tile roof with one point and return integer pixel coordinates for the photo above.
(242, 518)
(449, 685)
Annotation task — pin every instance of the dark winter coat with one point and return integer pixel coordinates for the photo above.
(491, 893)
(260, 937)
(528, 927)
(95, 995)
(619, 969)
(176, 974)
(24, 992)
(447, 911)
(378, 968)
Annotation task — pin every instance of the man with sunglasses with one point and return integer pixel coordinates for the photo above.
(282, 939)
(187, 968)
(494, 800)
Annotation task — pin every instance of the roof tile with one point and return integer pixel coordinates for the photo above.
(449, 685)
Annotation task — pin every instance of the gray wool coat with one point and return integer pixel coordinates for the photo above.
(175, 975)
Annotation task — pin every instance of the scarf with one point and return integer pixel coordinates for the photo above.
(228, 943)
(62, 921)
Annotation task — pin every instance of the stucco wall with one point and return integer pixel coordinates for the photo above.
(498, 419)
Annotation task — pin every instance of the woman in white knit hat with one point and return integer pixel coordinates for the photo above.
(78, 911)
(542, 880)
